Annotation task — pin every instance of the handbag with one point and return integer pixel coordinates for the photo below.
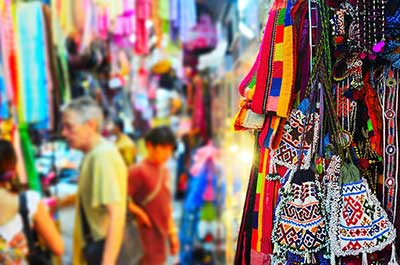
(131, 251)
(37, 255)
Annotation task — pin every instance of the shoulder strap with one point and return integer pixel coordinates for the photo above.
(24, 211)
(87, 235)
(154, 192)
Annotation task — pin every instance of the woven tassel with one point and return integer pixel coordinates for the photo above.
(307, 258)
(313, 259)
(333, 259)
(364, 259)
(393, 259)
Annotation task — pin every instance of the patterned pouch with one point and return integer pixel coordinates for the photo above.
(300, 225)
(360, 223)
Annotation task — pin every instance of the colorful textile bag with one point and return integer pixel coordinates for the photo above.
(300, 226)
(360, 223)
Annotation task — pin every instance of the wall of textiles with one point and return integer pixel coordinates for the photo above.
(52, 51)
(32, 82)
(322, 99)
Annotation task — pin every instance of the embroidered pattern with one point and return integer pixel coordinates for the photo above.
(288, 152)
(363, 225)
(13, 252)
(300, 226)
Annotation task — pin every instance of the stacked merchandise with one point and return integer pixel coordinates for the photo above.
(322, 98)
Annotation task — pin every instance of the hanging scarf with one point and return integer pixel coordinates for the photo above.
(187, 18)
(143, 12)
(244, 242)
(33, 98)
(4, 112)
(275, 71)
(9, 52)
(266, 191)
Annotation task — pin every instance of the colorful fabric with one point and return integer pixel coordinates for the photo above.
(9, 53)
(274, 82)
(288, 153)
(187, 18)
(13, 244)
(265, 203)
(4, 111)
(33, 97)
(143, 12)
(281, 103)
(300, 225)
(29, 158)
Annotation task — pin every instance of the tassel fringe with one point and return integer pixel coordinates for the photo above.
(364, 259)
(393, 259)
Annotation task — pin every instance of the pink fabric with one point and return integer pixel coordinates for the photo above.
(202, 155)
(246, 81)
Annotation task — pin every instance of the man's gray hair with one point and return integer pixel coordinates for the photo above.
(86, 108)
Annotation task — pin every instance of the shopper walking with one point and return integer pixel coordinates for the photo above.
(149, 189)
(124, 143)
(17, 209)
(101, 198)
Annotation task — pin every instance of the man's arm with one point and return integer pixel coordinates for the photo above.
(66, 201)
(116, 213)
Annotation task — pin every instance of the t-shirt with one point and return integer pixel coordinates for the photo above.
(143, 179)
(127, 149)
(13, 244)
(103, 180)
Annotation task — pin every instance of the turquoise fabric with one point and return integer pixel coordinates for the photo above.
(4, 112)
(33, 93)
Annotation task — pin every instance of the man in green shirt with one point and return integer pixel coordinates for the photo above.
(102, 186)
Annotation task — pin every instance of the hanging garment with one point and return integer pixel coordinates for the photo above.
(29, 158)
(4, 100)
(187, 18)
(243, 249)
(265, 202)
(33, 97)
(9, 52)
(274, 67)
(143, 12)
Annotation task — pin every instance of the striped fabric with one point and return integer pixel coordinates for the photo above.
(275, 69)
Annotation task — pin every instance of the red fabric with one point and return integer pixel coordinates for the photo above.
(267, 225)
(263, 68)
(375, 114)
(143, 179)
(279, 33)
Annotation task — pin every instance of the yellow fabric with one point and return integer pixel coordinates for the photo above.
(279, 51)
(287, 77)
(162, 67)
(127, 149)
(103, 180)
